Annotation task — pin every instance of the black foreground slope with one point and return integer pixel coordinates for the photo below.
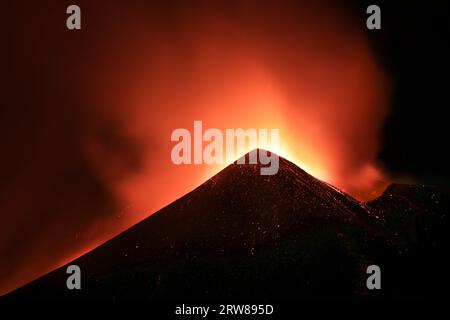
(416, 218)
(243, 235)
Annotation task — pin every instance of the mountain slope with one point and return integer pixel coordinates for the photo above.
(239, 234)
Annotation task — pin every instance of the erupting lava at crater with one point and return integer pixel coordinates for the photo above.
(257, 67)
(305, 69)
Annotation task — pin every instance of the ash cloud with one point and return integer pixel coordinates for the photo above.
(91, 113)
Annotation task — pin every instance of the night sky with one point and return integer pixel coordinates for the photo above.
(414, 46)
(69, 140)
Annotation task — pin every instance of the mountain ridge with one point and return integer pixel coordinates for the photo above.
(239, 234)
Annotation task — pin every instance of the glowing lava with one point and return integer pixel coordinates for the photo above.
(319, 85)
(148, 68)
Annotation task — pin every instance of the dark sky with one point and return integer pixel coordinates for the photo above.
(415, 45)
(52, 201)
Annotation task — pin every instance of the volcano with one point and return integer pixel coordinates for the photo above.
(286, 236)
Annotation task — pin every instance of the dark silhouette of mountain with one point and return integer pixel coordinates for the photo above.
(415, 219)
(246, 235)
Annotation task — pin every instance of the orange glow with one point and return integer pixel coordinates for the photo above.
(148, 70)
(318, 83)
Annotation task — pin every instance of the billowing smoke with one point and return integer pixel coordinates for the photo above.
(138, 71)
(305, 69)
